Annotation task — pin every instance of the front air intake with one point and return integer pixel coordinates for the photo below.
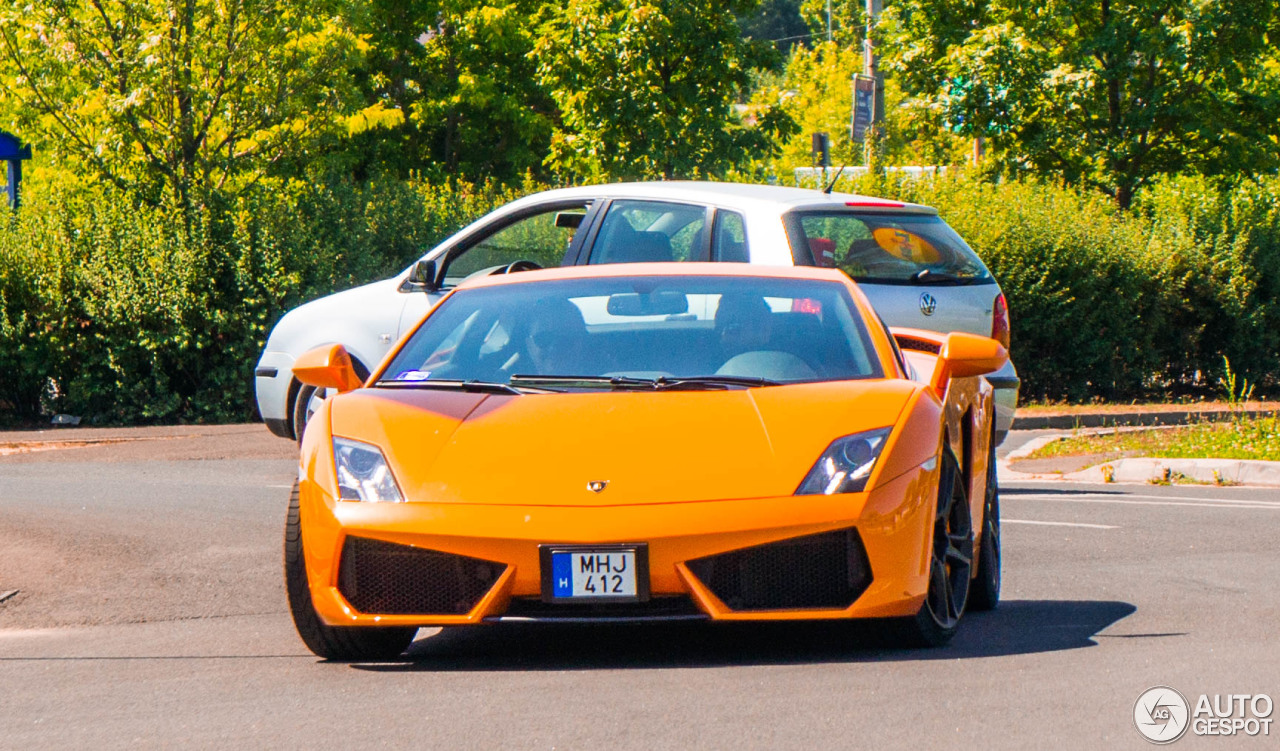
(379, 577)
(828, 570)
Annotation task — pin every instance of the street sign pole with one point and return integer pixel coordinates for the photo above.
(872, 70)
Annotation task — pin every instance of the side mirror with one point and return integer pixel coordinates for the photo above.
(327, 367)
(965, 356)
(423, 274)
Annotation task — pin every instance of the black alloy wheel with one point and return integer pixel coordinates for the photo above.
(986, 585)
(950, 562)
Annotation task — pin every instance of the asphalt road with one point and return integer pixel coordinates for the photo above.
(151, 613)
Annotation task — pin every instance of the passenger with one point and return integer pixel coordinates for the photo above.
(744, 323)
(557, 339)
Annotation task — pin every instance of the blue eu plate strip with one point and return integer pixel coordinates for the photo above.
(562, 575)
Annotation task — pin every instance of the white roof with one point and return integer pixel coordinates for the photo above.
(740, 196)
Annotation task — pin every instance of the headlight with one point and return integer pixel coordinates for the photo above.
(363, 474)
(846, 464)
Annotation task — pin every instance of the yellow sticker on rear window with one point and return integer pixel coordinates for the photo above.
(906, 245)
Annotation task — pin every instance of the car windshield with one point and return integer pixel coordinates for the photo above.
(638, 332)
(884, 248)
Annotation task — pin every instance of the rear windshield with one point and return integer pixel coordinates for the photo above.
(884, 248)
(782, 330)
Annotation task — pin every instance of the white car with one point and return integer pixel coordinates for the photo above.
(915, 269)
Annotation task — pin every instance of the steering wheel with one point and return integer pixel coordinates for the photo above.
(514, 266)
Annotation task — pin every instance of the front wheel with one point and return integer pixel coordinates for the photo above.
(308, 399)
(343, 643)
(950, 563)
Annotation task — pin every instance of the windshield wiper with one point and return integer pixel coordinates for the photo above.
(615, 382)
(929, 276)
(479, 387)
(711, 381)
(663, 383)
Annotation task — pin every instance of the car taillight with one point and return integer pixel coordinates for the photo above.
(1000, 321)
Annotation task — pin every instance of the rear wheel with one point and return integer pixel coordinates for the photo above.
(950, 563)
(986, 585)
(344, 643)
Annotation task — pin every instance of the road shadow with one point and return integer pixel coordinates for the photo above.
(1017, 627)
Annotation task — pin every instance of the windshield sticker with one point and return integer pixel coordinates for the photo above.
(906, 245)
(413, 375)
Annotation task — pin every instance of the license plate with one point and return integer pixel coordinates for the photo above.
(607, 573)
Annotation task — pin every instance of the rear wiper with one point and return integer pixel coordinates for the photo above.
(929, 276)
(617, 382)
(711, 381)
(480, 387)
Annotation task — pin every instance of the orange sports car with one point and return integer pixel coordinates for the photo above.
(646, 442)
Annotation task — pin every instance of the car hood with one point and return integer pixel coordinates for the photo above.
(647, 447)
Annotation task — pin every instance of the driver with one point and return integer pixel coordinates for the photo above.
(744, 323)
(557, 339)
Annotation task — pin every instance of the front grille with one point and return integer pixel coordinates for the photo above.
(828, 570)
(382, 577)
(657, 608)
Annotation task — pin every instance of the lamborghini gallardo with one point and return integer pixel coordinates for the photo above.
(646, 442)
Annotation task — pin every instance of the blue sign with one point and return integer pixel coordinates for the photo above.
(13, 153)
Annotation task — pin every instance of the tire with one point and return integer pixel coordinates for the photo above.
(985, 594)
(950, 566)
(305, 402)
(340, 643)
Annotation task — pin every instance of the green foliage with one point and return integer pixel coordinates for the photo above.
(167, 98)
(848, 21)
(1250, 438)
(1106, 95)
(778, 21)
(815, 90)
(458, 77)
(129, 313)
(646, 88)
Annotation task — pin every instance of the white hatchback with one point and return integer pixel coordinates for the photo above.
(916, 270)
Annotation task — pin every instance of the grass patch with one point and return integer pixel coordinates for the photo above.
(1244, 438)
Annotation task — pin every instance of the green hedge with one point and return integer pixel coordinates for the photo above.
(124, 313)
(131, 314)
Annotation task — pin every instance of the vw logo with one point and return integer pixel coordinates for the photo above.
(928, 304)
(597, 486)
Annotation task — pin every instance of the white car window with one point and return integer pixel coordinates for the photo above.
(651, 231)
(539, 238)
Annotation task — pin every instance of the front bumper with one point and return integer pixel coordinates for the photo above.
(499, 545)
(272, 378)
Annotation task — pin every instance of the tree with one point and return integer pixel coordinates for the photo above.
(170, 97)
(777, 22)
(1106, 93)
(449, 85)
(848, 20)
(816, 90)
(646, 88)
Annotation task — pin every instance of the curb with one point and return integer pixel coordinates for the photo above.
(1117, 419)
(1146, 470)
